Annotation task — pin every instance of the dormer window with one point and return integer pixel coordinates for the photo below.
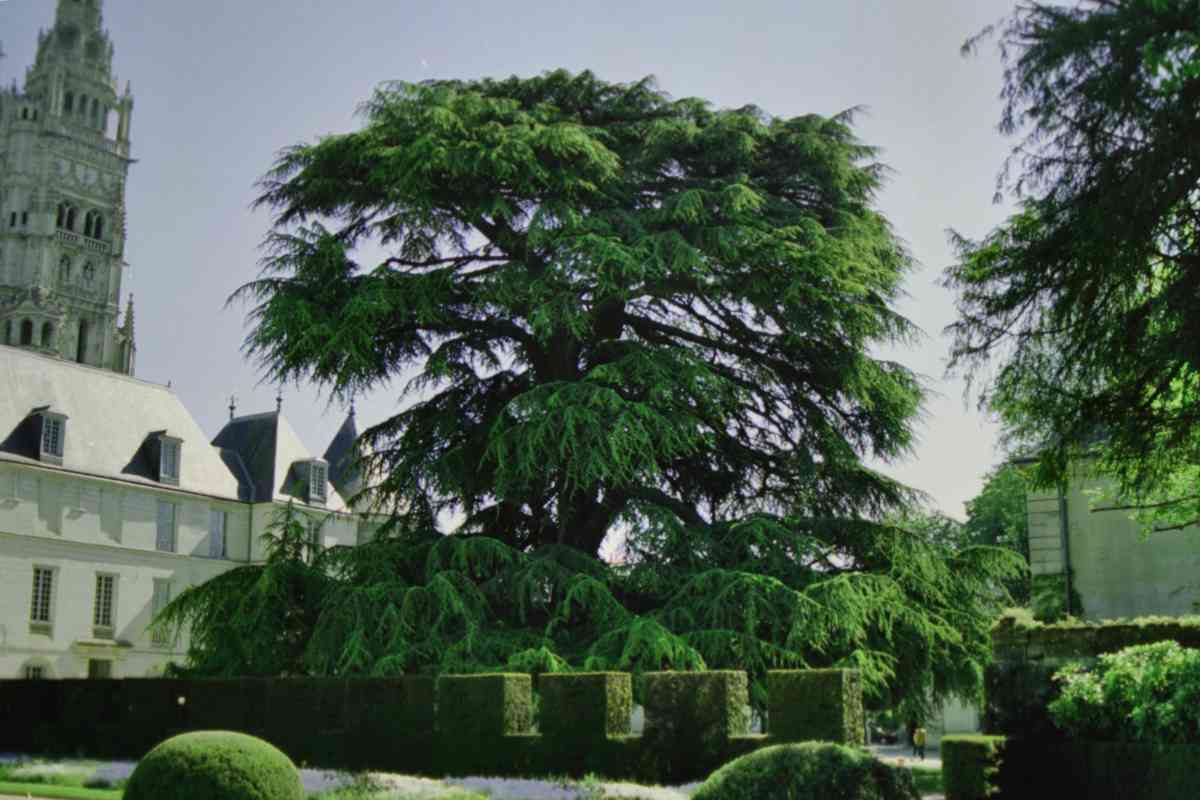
(52, 436)
(166, 454)
(318, 473)
(168, 469)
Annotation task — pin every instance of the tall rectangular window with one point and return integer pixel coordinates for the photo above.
(43, 586)
(52, 436)
(159, 601)
(166, 527)
(102, 616)
(169, 466)
(316, 483)
(216, 534)
(99, 668)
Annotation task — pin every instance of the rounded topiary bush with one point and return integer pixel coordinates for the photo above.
(215, 765)
(808, 771)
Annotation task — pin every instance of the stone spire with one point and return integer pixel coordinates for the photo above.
(127, 347)
(127, 327)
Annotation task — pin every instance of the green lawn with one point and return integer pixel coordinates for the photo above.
(74, 785)
(55, 790)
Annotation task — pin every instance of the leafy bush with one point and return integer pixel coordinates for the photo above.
(1145, 693)
(808, 771)
(215, 765)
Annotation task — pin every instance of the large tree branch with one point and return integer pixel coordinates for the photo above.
(658, 497)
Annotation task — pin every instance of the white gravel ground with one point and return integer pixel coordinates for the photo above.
(422, 788)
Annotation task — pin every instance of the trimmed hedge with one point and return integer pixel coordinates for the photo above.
(970, 766)
(816, 704)
(689, 719)
(695, 721)
(1018, 636)
(214, 765)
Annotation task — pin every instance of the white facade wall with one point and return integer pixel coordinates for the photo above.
(1115, 571)
(79, 527)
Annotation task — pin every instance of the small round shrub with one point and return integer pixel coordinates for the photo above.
(808, 771)
(215, 765)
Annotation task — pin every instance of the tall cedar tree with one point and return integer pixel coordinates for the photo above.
(1089, 295)
(685, 297)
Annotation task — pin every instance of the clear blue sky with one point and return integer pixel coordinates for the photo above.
(220, 86)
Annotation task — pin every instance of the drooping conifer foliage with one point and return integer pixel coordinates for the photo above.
(1087, 298)
(639, 312)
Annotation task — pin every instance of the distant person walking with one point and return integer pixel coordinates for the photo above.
(919, 743)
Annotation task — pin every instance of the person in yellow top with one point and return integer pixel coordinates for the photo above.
(919, 742)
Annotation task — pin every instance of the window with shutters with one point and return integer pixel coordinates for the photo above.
(166, 527)
(159, 601)
(216, 533)
(43, 593)
(102, 614)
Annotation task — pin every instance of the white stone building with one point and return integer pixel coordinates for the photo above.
(112, 500)
(1091, 560)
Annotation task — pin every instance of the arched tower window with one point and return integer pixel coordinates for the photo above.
(83, 105)
(47, 335)
(81, 348)
(70, 219)
(68, 103)
(64, 269)
(8, 328)
(87, 224)
(62, 215)
(27, 332)
(98, 226)
(24, 113)
(95, 111)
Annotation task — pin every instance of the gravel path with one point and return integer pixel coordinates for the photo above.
(496, 788)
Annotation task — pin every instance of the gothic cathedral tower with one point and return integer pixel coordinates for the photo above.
(64, 157)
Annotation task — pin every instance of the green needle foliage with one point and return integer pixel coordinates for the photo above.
(999, 516)
(639, 312)
(1087, 296)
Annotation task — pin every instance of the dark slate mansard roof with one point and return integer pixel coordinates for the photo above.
(111, 417)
